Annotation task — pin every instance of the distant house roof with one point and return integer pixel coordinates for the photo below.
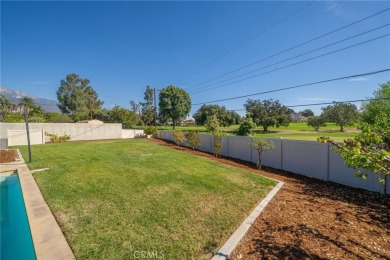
(93, 122)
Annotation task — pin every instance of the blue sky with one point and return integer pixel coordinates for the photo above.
(124, 46)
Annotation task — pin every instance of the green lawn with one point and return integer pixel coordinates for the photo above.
(115, 198)
(295, 131)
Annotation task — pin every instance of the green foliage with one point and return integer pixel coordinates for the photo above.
(37, 119)
(212, 124)
(6, 107)
(77, 98)
(122, 115)
(371, 109)
(343, 114)
(217, 143)
(192, 139)
(226, 118)
(246, 126)
(150, 130)
(148, 107)
(316, 122)
(306, 112)
(178, 136)
(14, 118)
(174, 104)
(261, 145)
(268, 113)
(368, 150)
(57, 139)
(53, 117)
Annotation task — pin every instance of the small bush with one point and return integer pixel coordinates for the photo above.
(57, 139)
(178, 136)
(261, 144)
(316, 122)
(192, 139)
(150, 130)
(246, 126)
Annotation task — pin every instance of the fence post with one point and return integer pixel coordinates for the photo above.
(281, 153)
(328, 162)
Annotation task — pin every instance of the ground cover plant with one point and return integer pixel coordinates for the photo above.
(115, 198)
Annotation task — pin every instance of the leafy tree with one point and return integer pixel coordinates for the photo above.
(268, 113)
(77, 98)
(213, 126)
(178, 136)
(261, 145)
(32, 108)
(192, 139)
(122, 115)
(174, 104)
(6, 107)
(306, 113)
(371, 109)
(343, 114)
(225, 117)
(246, 126)
(136, 108)
(316, 122)
(368, 150)
(148, 110)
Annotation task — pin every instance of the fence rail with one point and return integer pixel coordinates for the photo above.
(312, 159)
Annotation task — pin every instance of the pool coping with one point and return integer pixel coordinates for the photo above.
(48, 239)
(228, 247)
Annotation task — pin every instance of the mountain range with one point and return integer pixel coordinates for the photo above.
(14, 95)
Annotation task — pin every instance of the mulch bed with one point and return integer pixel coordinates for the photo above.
(312, 219)
(8, 156)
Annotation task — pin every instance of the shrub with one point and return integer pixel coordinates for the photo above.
(218, 143)
(192, 139)
(57, 139)
(178, 136)
(316, 122)
(150, 130)
(246, 126)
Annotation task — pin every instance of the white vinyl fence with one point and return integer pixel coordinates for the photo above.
(312, 159)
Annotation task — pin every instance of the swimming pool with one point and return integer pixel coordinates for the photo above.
(16, 241)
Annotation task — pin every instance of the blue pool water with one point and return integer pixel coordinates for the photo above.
(16, 242)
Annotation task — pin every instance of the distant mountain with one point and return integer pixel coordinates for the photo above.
(47, 104)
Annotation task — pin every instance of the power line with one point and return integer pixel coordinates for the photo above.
(326, 103)
(296, 63)
(297, 86)
(294, 47)
(251, 39)
(233, 36)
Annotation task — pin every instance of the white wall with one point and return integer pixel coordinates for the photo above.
(132, 133)
(19, 137)
(77, 131)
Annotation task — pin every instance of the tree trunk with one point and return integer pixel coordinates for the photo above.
(260, 151)
(265, 128)
(341, 127)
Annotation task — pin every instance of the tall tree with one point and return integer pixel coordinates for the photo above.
(306, 113)
(268, 113)
(343, 114)
(77, 98)
(225, 117)
(174, 103)
(148, 110)
(136, 108)
(32, 108)
(371, 109)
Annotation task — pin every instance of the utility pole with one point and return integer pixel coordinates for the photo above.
(155, 109)
(28, 133)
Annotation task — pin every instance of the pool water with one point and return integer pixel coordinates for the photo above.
(16, 241)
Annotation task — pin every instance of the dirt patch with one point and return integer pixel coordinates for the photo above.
(9, 156)
(312, 219)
